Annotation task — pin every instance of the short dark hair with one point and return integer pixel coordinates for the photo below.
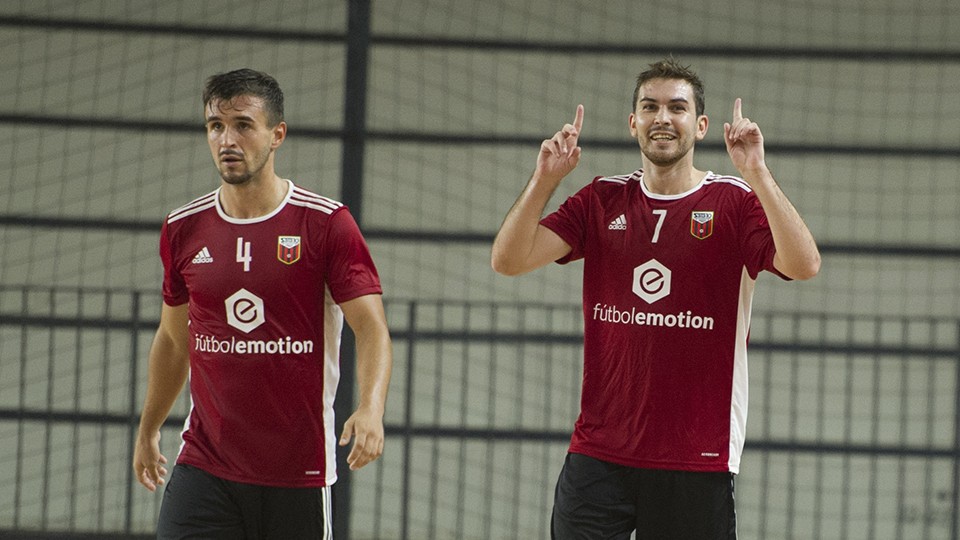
(247, 82)
(669, 68)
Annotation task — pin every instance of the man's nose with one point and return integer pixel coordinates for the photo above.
(662, 117)
(228, 137)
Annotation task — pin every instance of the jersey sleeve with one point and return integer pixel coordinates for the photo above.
(175, 290)
(756, 240)
(350, 270)
(569, 222)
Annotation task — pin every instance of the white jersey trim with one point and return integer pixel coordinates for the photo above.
(332, 328)
(197, 205)
(623, 178)
(295, 195)
(186, 422)
(307, 199)
(259, 219)
(708, 178)
(718, 179)
(739, 390)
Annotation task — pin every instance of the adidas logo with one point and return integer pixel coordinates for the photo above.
(619, 224)
(203, 256)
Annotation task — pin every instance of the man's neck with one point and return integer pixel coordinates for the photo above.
(253, 199)
(671, 179)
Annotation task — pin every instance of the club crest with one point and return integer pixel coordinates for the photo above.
(288, 249)
(701, 224)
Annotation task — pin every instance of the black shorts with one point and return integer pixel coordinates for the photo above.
(197, 504)
(596, 499)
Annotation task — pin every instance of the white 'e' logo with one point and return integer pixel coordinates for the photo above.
(651, 281)
(244, 310)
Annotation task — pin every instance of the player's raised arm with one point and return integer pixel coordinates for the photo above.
(797, 255)
(522, 244)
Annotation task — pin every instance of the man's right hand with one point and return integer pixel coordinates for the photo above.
(560, 154)
(148, 462)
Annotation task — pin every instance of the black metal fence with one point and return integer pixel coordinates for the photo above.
(854, 428)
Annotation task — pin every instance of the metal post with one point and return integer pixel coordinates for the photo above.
(955, 520)
(351, 194)
(133, 403)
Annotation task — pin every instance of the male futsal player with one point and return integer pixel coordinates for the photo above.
(670, 257)
(259, 276)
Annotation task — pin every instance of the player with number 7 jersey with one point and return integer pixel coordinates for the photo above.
(676, 279)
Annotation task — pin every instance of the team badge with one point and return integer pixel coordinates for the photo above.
(701, 224)
(288, 249)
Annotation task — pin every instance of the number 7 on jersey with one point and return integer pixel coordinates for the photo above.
(661, 214)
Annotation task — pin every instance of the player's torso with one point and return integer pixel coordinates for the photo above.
(259, 375)
(666, 253)
(260, 278)
(663, 280)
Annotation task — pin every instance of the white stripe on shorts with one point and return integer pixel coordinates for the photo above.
(327, 513)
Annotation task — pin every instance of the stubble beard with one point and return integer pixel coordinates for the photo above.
(662, 158)
(240, 178)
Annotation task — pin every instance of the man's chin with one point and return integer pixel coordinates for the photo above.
(663, 159)
(235, 179)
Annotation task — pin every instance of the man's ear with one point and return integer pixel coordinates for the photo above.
(279, 134)
(702, 123)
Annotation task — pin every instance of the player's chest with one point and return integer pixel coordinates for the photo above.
(688, 230)
(271, 259)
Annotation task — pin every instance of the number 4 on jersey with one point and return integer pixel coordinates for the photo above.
(243, 254)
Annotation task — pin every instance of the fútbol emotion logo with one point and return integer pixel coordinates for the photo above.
(245, 313)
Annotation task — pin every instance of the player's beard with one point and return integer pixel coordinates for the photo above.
(253, 165)
(668, 156)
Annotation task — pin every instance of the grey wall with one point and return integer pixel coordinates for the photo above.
(859, 104)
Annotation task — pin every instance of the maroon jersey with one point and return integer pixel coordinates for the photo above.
(667, 287)
(264, 332)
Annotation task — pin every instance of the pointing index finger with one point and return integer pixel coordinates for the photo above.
(737, 110)
(578, 121)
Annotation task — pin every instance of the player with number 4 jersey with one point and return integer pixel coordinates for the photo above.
(260, 276)
(264, 321)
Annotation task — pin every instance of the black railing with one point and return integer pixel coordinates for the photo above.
(844, 428)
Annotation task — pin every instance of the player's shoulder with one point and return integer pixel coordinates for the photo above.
(722, 181)
(605, 187)
(617, 181)
(195, 207)
(311, 201)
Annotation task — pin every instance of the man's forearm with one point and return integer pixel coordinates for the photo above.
(167, 374)
(374, 364)
(797, 254)
(517, 235)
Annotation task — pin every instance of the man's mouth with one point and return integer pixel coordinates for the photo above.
(660, 136)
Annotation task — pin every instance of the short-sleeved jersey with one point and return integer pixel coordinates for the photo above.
(264, 327)
(667, 288)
